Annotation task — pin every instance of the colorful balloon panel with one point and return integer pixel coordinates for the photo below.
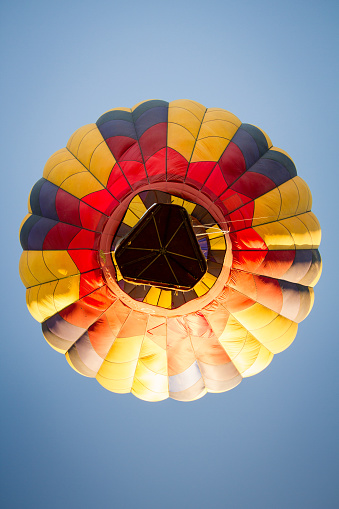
(101, 233)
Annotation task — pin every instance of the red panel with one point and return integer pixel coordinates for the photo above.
(198, 172)
(124, 148)
(67, 207)
(90, 281)
(60, 236)
(134, 172)
(253, 185)
(176, 165)
(232, 163)
(89, 217)
(247, 239)
(215, 184)
(269, 293)
(102, 201)
(85, 311)
(117, 183)
(84, 259)
(233, 200)
(85, 240)
(154, 139)
(101, 336)
(276, 263)
(241, 218)
(234, 301)
(248, 260)
(262, 289)
(156, 166)
(268, 263)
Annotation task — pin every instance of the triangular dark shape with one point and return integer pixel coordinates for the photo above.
(162, 250)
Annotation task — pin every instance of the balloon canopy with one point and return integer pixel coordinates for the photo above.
(169, 250)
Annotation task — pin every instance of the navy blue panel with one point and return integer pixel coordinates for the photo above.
(47, 200)
(149, 118)
(62, 329)
(272, 169)
(247, 145)
(118, 128)
(258, 136)
(284, 160)
(302, 257)
(34, 197)
(26, 228)
(114, 115)
(38, 233)
(146, 106)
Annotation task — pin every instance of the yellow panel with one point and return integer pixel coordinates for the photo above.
(180, 140)
(63, 169)
(26, 275)
(117, 370)
(62, 157)
(289, 198)
(177, 201)
(184, 118)
(60, 263)
(275, 235)
(214, 232)
(81, 184)
(165, 300)
(208, 280)
(130, 218)
(69, 360)
(46, 301)
(209, 149)
(153, 357)
(312, 224)
(196, 108)
(301, 235)
(267, 207)
(145, 394)
(262, 361)
(218, 243)
(66, 292)
(255, 317)
(38, 267)
(282, 342)
(32, 303)
(220, 128)
(125, 349)
(77, 137)
(102, 162)
(150, 380)
(272, 330)
(137, 206)
(200, 289)
(152, 296)
(189, 206)
(120, 386)
(220, 114)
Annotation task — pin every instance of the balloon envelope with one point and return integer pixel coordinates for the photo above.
(169, 250)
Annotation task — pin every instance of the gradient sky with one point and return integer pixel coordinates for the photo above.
(272, 442)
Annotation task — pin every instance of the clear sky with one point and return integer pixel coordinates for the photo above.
(272, 442)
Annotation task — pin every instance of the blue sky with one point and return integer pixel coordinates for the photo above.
(269, 443)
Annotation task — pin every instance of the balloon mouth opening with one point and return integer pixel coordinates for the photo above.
(162, 250)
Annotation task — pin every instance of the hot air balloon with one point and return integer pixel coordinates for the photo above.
(169, 250)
